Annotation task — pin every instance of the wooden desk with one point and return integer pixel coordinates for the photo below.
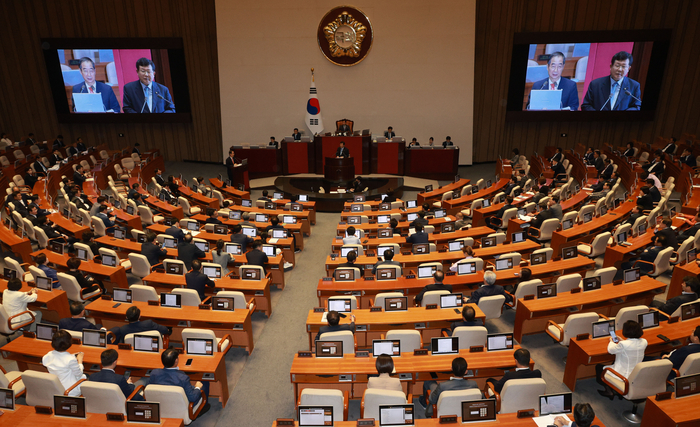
(531, 316)
(456, 205)
(257, 289)
(165, 208)
(584, 355)
(432, 162)
(614, 255)
(436, 194)
(672, 412)
(371, 229)
(679, 272)
(441, 239)
(29, 351)
(25, 416)
(302, 217)
(116, 275)
(18, 245)
(236, 323)
(55, 301)
(237, 195)
(199, 199)
(479, 215)
(371, 325)
(502, 420)
(263, 160)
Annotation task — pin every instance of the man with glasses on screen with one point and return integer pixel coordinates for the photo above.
(89, 85)
(145, 95)
(614, 92)
(569, 93)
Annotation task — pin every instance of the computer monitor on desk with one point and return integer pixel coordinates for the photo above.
(309, 415)
(44, 283)
(690, 311)
(688, 385)
(344, 274)
(329, 349)
(232, 248)
(122, 295)
(69, 406)
(455, 245)
(7, 399)
(451, 300)
(170, 300)
(591, 283)
(200, 346)
(478, 410)
(648, 320)
(212, 272)
(169, 243)
(248, 273)
(146, 343)
(425, 272)
(235, 215)
(250, 231)
(396, 415)
(421, 248)
(546, 290)
(411, 217)
(45, 331)
(341, 305)
(268, 250)
(385, 233)
(386, 274)
(488, 242)
(504, 264)
(602, 328)
(142, 412)
(95, 338)
(466, 268)
(632, 275)
(559, 403)
(496, 342)
(389, 347)
(175, 268)
(344, 251)
(222, 303)
(444, 345)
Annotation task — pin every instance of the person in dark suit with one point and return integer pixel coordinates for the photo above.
(349, 260)
(33, 215)
(439, 276)
(616, 91)
(414, 143)
(389, 133)
(73, 150)
(598, 162)
(50, 231)
(30, 140)
(629, 152)
(145, 95)
(690, 287)
(499, 214)
(657, 167)
(389, 197)
(342, 151)
(77, 322)
(648, 255)
(265, 196)
(421, 220)
(644, 200)
(636, 213)
(80, 145)
(679, 355)
(39, 167)
(166, 195)
(558, 156)
(256, 256)
(58, 143)
(237, 236)
(653, 191)
(447, 142)
(607, 171)
(456, 382)
(418, 237)
(274, 225)
(522, 370)
(171, 375)
(213, 217)
(89, 85)
(511, 184)
(89, 284)
(296, 135)
(198, 281)
(20, 205)
(688, 158)
(468, 319)
(488, 289)
(357, 185)
(151, 250)
(136, 325)
(133, 191)
(54, 158)
(108, 358)
(175, 231)
(543, 215)
(671, 147)
(231, 162)
(343, 129)
(333, 319)
(102, 214)
(569, 92)
(273, 143)
(664, 230)
(558, 169)
(78, 176)
(188, 251)
(388, 260)
(159, 177)
(583, 417)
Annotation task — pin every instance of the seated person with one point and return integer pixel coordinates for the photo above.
(88, 239)
(525, 276)
(109, 358)
(188, 251)
(385, 367)
(50, 230)
(420, 220)
(77, 322)
(296, 135)
(543, 215)
(558, 169)
(90, 284)
(468, 254)
(654, 192)
(198, 281)
(389, 196)
(516, 157)
(273, 143)
(67, 367)
(489, 288)
(394, 225)
(439, 276)
(511, 185)
(414, 143)
(558, 156)
(15, 302)
(41, 260)
(256, 256)
(679, 355)
(602, 193)
(663, 229)
(649, 255)
(460, 222)
(607, 171)
(419, 236)
(265, 197)
(350, 260)
(108, 223)
(171, 375)
(221, 257)
(689, 286)
(644, 200)
(213, 217)
(136, 325)
(522, 370)
(351, 239)
(583, 417)
(499, 214)
(389, 133)
(152, 250)
(274, 224)
(175, 231)
(333, 319)
(447, 142)
(686, 157)
(237, 236)
(468, 319)
(388, 260)
(133, 191)
(456, 382)
(555, 208)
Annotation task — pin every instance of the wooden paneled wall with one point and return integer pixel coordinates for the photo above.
(26, 103)
(497, 20)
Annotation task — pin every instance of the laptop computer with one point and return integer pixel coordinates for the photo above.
(396, 304)
(311, 415)
(232, 248)
(269, 250)
(95, 338)
(688, 311)
(396, 415)
(444, 345)
(648, 320)
(69, 406)
(602, 328)
(478, 410)
(466, 268)
(200, 346)
(631, 275)
(547, 290)
(537, 259)
(389, 347)
(146, 343)
(559, 403)
(170, 300)
(45, 331)
(7, 399)
(496, 342)
(222, 303)
(341, 305)
(451, 300)
(329, 349)
(591, 283)
(455, 245)
(142, 412)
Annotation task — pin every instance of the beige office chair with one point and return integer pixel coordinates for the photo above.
(123, 262)
(173, 402)
(188, 297)
(327, 397)
(690, 366)
(517, 394)
(547, 251)
(515, 256)
(646, 379)
(596, 247)
(73, 289)
(544, 233)
(578, 323)
(661, 263)
(450, 401)
(12, 264)
(356, 272)
(470, 336)
(500, 237)
(476, 204)
(12, 380)
(437, 265)
(525, 288)
(147, 216)
(41, 387)
(682, 253)
(478, 263)
(372, 398)
(492, 306)
(624, 228)
(187, 209)
(409, 339)
(129, 338)
(104, 398)
(144, 293)
(347, 337)
(239, 301)
(86, 248)
(167, 262)
(571, 215)
(568, 282)
(380, 298)
(433, 297)
(222, 344)
(606, 274)
(502, 223)
(140, 267)
(628, 313)
(584, 210)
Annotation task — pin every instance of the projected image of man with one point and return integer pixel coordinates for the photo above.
(90, 85)
(615, 92)
(145, 95)
(569, 94)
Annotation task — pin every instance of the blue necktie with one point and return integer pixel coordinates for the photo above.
(614, 93)
(146, 91)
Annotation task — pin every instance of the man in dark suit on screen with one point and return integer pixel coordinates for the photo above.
(569, 93)
(108, 358)
(522, 370)
(615, 92)
(87, 70)
(145, 95)
(342, 151)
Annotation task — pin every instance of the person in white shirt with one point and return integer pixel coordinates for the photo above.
(385, 367)
(468, 254)
(352, 239)
(628, 353)
(657, 182)
(67, 367)
(4, 141)
(15, 302)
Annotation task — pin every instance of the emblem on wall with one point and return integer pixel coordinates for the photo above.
(345, 36)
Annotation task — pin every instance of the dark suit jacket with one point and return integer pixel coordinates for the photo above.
(198, 281)
(109, 376)
(670, 148)
(345, 153)
(297, 136)
(73, 324)
(256, 257)
(211, 220)
(82, 281)
(242, 240)
(388, 134)
(134, 99)
(276, 144)
(569, 92)
(82, 147)
(589, 158)
(629, 152)
(340, 327)
(432, 287)
(177, 233)
(487, 291)
(679, 356)
(516, 375)
(160, 180)
(136, 327)
(606, 173)
(688, 160)
(540, 218)
(178, 378)
(421, 237)
(503, 210)
(670, 235)
(105, 219)
(53, 159)
(109, 100)
(39, 167)
(421, 221)
(599, 93)
(51, 233)
(657, 168)
(649, 255)
(599, 164)
(557, 157)
(187, 252)
(465, 323)
(72, 151)
(446, 144)
(672, 304)
(655, 194)
(152, 252)
(82, 203)
(558, 169)
(78, 179)
(645, 202)
(632, 218)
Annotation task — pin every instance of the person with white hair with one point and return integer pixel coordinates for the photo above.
(489, 288)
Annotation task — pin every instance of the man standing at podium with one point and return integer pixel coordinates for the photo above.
(231, 162)
(342, 152)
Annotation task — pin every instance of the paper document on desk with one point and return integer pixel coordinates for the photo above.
(525, 218)
(272, 241)
(194, 233)
(89, 179)
(548, 420)
(324, 317)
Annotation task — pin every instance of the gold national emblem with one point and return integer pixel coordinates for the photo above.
(345, 36)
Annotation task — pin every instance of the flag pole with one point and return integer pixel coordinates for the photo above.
(312, 75)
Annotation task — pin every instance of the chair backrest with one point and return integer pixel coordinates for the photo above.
(648, 378)
(548, 227)
(381, 297)
(515, 256)
(470, 336)
(521, 394)
(492, 306)
(352, 298)
(507, 215)
(662, 261)
(606, 274)
(86, 248)
(599, 243)
(410, 339)
(146, 215)
(691, 365)
(357, 248)
(71, 286)
(190, 297)
(129, 338)
(173, 400)
(168, 262)
(629, 313)
(239, 302)
(568, 282)
(584, 210)
(325, 397)
(29, 228)
(526, 288)
(14, 265)
(357, 274)
(437, 265)
(684, 248)
(433, 297)
(450, 401)
(36, 272)
(102, 398)
(500, 237)
(373, 397)
(347, 337)
(41, 387)
(143, 293)
(41, 238)
(139, 265)
(547, 251)
(578, 323)
(188, 333)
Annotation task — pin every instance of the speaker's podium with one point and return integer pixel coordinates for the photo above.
(239, 174)
(339, 169)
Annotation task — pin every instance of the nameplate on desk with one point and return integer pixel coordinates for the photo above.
(342, 223)
(28, 334)
(663, 396)
(442, 251)
(372, 222)
(405, 253)
(371, 254)
(575, 290)
(367, 422)
(154, 302)
(362, 353)
(112, 416)
(450, 273)
(526, 413)
(617, 282)
(431, 307)
(75, 341)
(375, 309)
(476, 349)
(305, 354)
(420, 352)
(285, 422)
(327, 279)
(581, 337)
(528, 297)
(124, 346)
(43, 410)
(204, 307)
(319, 310)
(106, 297)
(673, 319)
(410, 276)
(448, 419)
(372, 237)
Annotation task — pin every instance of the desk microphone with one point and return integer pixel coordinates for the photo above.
(166, 100)
(609, 98)
(544, 84)
(628, 93)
